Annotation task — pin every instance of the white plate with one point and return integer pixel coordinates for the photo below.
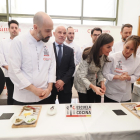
(51, 110)
(18, 117)
(27, 112)
(28, 118)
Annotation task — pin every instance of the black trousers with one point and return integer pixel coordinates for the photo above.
(63, 97)
(44, 101)
(10, 90)
(108, 100)
(89, 97)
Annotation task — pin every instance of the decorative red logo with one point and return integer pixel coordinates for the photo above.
(89, 30)
(104, 31)
(75, 30)
(3, 29)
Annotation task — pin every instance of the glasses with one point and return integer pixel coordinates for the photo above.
(96, 34)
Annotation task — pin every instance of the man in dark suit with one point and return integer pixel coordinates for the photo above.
(64, 67)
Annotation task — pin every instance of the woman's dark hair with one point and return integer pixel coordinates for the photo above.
(92, 53)
(136, 42)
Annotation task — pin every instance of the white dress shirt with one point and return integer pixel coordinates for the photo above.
(30, 62)
(117, 47)
(77, 52)
(116, 89)
(4, 53)
(57, 48)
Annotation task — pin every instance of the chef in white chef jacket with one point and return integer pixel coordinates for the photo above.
(95, 33)
(126, 31)
(69, 42)
(123, 70)
(32, 66)
(13, 28)
(77, 50)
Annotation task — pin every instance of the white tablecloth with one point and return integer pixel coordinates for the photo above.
(103, 125)
(106, 125)
(56, 127)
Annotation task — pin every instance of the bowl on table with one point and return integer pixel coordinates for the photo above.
(51, 110)
(31, 119)
(18, 120)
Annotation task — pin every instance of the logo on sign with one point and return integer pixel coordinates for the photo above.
(75, 30)
(104, 31)
(5, 29)
(78, 110)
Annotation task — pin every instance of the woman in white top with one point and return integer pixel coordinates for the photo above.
(123, 70)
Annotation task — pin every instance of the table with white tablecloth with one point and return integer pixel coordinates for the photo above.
(103, 125)
(106, 125)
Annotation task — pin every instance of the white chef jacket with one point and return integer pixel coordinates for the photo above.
(30, 62)
(116, 89)
(90, 44)
(4, 53)
(77, 52)
(117, 47)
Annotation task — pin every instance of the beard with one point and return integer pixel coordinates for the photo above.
(40, 36)
(124, 38)
(46, 39)
(69, 39)
(14, 34)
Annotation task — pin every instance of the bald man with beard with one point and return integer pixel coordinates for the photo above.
(32, 65)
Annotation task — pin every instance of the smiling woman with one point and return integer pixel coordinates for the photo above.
(123, 70)
(91, 65)
(131, 46)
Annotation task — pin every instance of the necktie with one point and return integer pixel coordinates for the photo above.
(59, 55)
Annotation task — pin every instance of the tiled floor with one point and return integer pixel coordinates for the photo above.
(73, 101)
(3, 101)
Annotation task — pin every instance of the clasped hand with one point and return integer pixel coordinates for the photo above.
(59, 85)
(42, 94)
(124, 76)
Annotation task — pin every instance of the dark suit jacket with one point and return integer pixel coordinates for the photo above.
(67, 67)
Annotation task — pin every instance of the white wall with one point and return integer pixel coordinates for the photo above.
(82, 32)
(129, 11)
